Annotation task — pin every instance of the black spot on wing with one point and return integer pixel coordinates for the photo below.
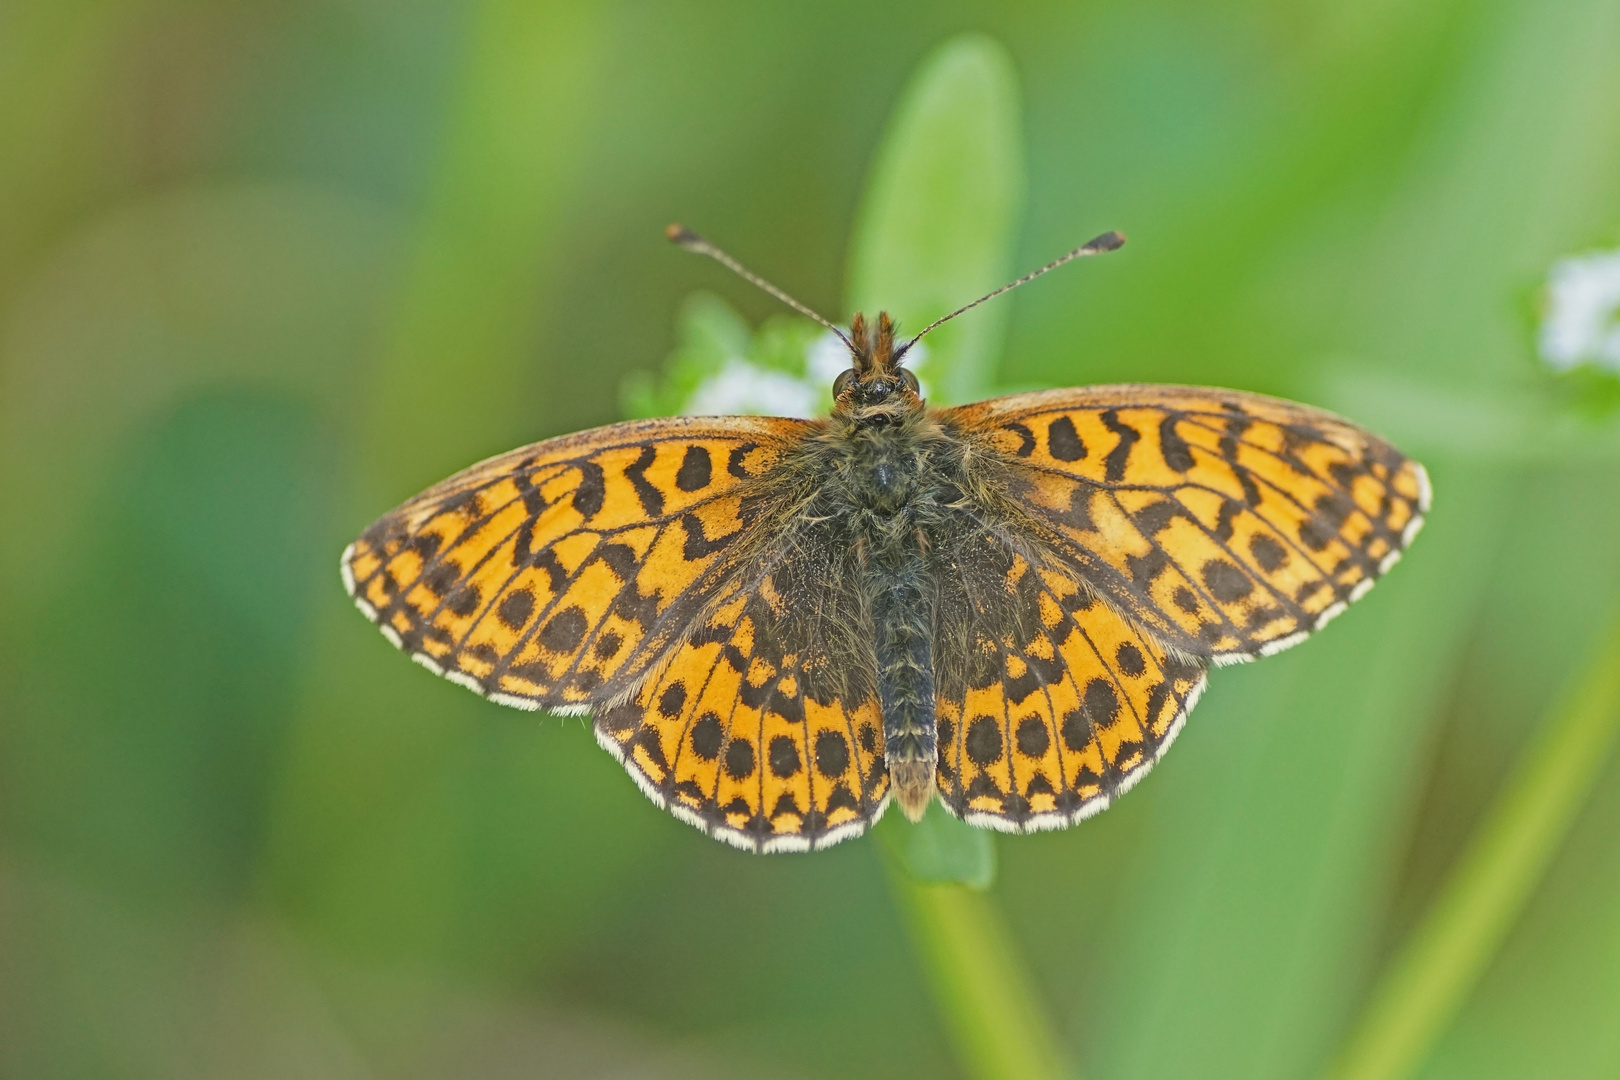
(740, 759)
(983, 742)
(439, 579)
(515, 608)
(1130, 660)
(1267, 552)
(695, 470)
(465, 600)
(783, 757)
(832, 754)
(672, 701)
(1315, 534)
(1032, 739)
(1226, 582)
(1102, 702)
(1063, 441)
(869, 738)
(563, 632)
(707, 736)
(1076, 730)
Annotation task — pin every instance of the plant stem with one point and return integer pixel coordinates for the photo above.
(985, 995)
(1444, 958)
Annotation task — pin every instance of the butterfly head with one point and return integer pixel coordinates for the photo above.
(875, 387)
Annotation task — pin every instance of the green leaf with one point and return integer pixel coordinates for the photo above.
(940, 848)
(941, 212)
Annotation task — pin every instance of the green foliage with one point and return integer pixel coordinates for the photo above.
(940, 849)
(1504, 863)
(268, 269)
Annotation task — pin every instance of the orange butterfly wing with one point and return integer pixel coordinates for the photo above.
(760, 730)
(1227, 525)
(1050, 704)
(556, 575)
(638, 571)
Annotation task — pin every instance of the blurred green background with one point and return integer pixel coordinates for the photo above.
(267, 268)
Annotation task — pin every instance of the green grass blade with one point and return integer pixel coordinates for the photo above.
(992, 1014)
(941, 212)
(1449, 951)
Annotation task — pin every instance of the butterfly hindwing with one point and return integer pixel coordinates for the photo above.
(1228, 525)
(762, 730)
(557, 574)
(1050, 703)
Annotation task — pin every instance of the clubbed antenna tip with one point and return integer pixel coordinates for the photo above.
(1097, 245)
(677, 233)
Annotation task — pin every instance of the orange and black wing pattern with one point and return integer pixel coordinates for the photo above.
(759, 730)
(640, 572)
(556, 576)
(1226, 525)
(1055, 704)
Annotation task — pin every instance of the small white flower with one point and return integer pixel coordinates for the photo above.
(740, 387)
(1582, 323)
(826, 359)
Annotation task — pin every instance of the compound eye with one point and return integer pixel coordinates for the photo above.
(841, 383)
(910, 381)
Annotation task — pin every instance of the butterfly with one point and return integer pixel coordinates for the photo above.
(778, 625)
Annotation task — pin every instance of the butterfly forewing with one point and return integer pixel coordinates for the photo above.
(558, 574)
(1227, 525)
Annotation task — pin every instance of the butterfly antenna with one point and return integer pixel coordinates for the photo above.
(691, 241)
(1108, 241)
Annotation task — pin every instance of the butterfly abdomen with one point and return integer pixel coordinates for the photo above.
(903, 636)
